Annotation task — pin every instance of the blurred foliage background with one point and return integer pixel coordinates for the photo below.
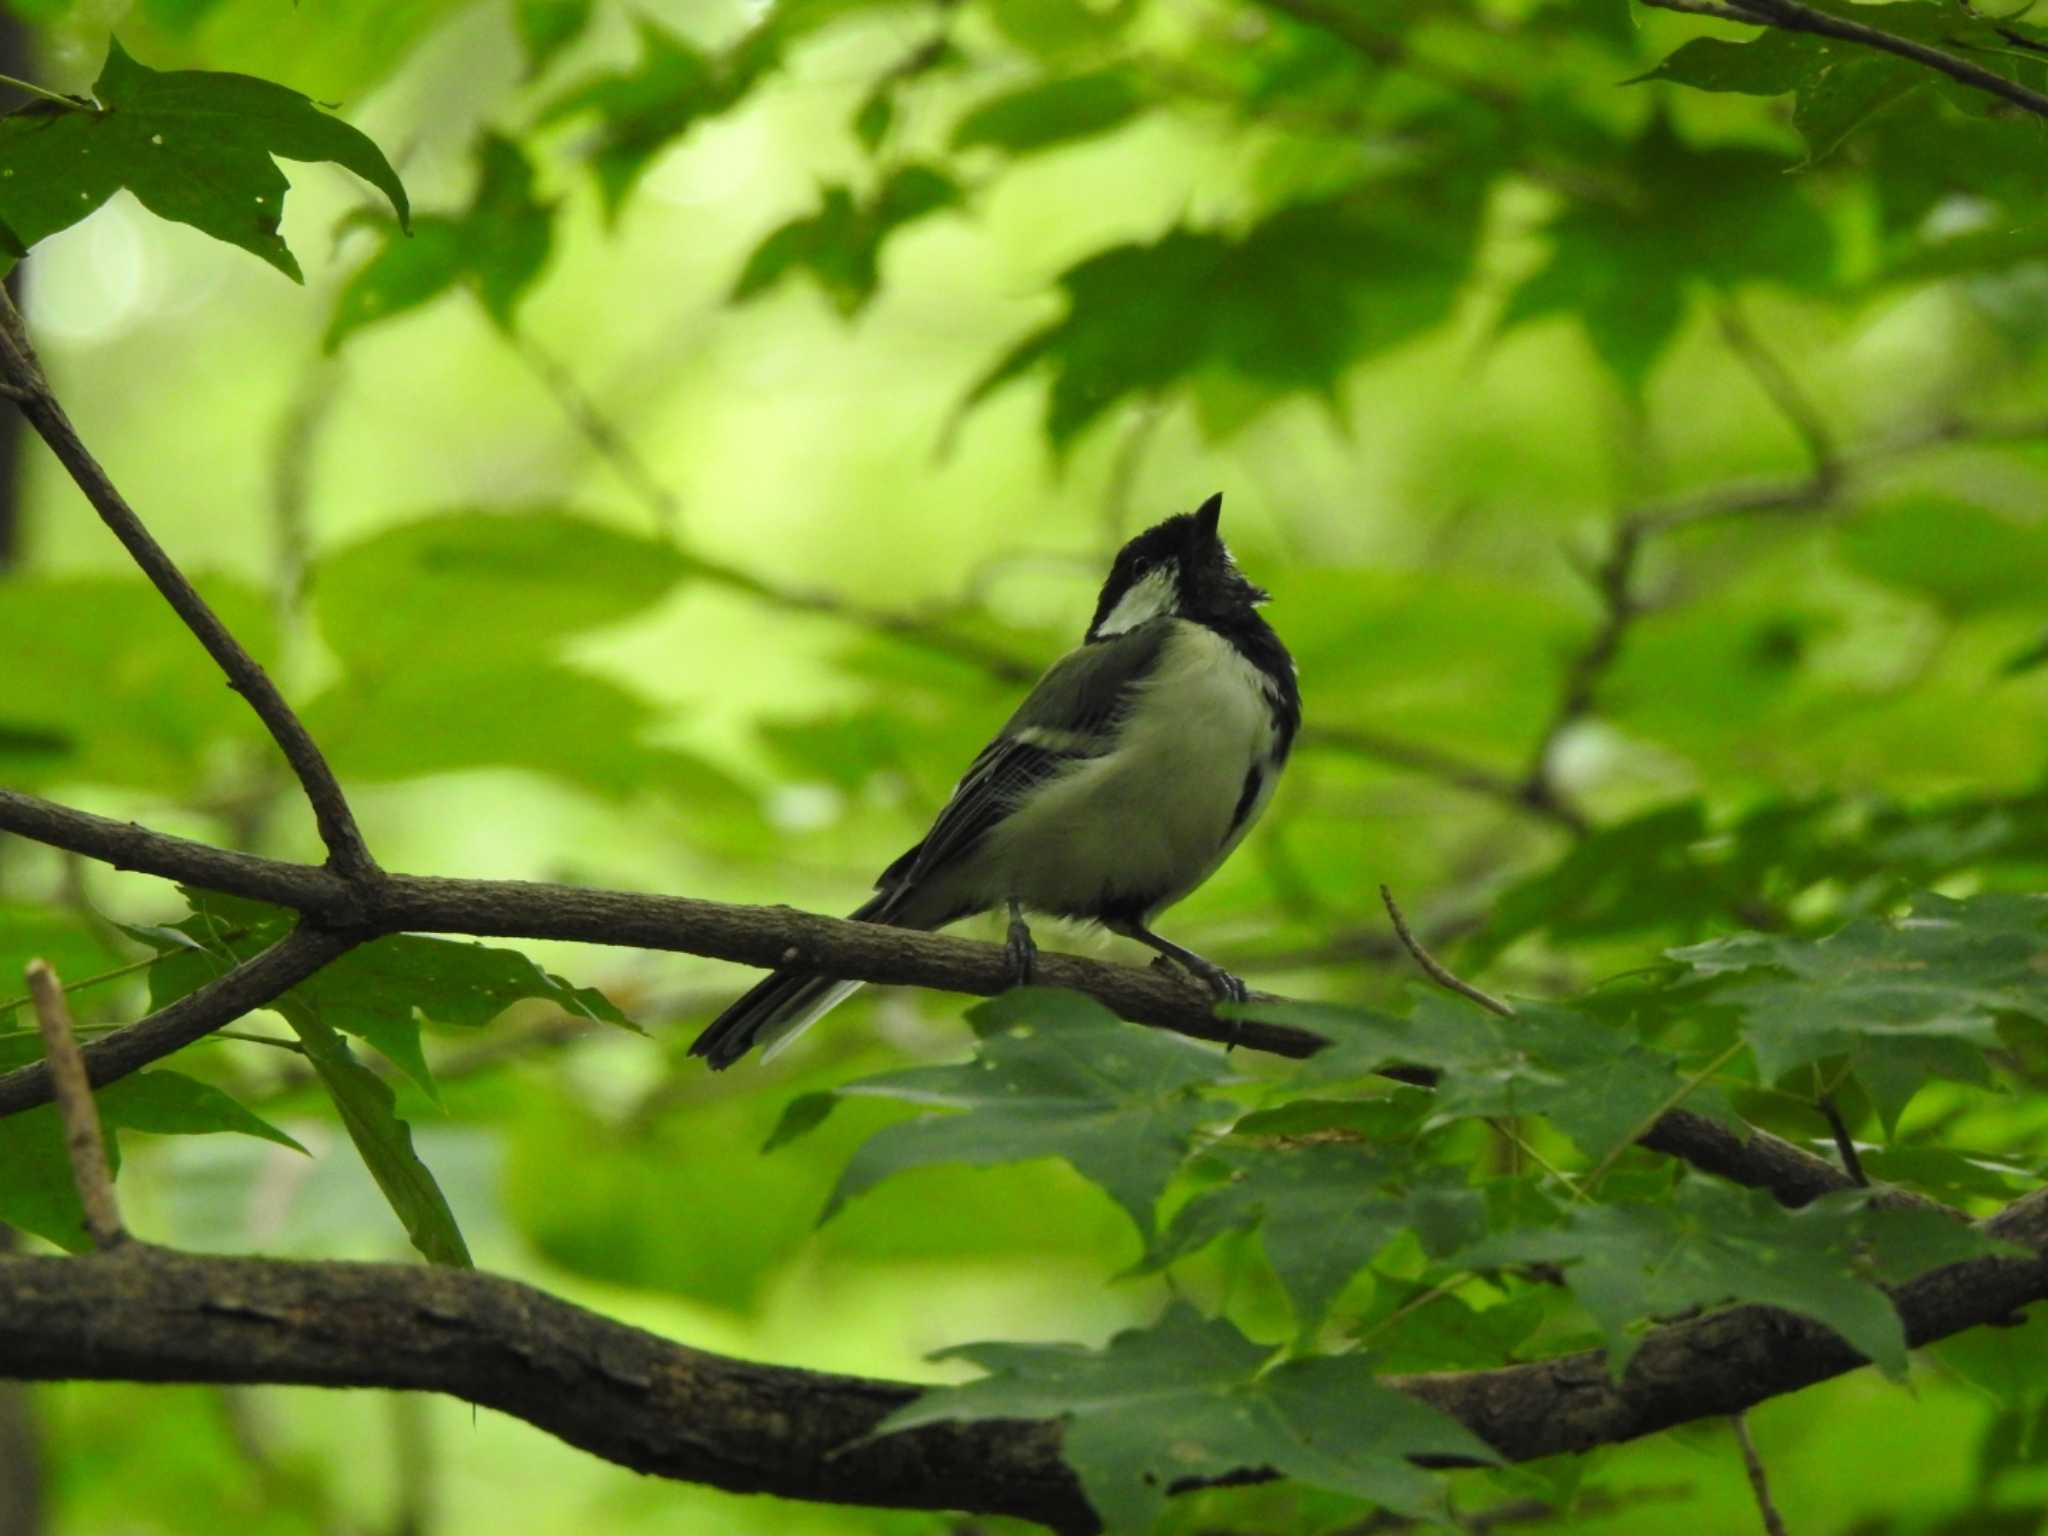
(1649, 479)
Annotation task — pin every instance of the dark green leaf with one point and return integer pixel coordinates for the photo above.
(840, 245)
(546, 27)
(1939, 978)
(1716, 1244)
(166, 1103)
(1055, 1075)
(192, 145)
(496, 248)
(1193, 1398)
(366, 1106)
(1050, 113)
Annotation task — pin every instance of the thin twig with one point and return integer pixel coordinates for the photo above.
(1790, 16)
(1434, 968)
(1445, 767)
(1759, 1484)
(24, 380)
(1845, 1144)
(610, 444)
(82, 1142)
(1785, 391)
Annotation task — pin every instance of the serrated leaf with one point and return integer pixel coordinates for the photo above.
(840, 245)
(1932, 983)
(1715, 1244)
(383, 1140)
(194, 146)
(1193, 1398)
(1322, 1210)
(495, 248)
(1338, 280)
(1055, 1075)
(1599, 1085)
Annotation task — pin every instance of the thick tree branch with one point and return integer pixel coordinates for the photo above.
(340, 914)
(21, 379)
(146, 1314)
(1791, 16)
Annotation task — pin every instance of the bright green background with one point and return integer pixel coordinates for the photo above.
(1425, 413)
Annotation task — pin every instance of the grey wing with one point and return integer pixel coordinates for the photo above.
(1073, 713)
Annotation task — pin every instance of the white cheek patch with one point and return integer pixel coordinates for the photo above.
(1145, 601)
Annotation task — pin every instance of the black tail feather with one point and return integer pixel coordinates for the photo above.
(776, 1000)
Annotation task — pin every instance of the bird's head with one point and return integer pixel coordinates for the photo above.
(1178, 567)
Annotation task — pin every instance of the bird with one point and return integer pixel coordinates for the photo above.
(1130, 772)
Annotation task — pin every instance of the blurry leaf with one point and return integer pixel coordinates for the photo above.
(365, 1104)
(1049, 113)
(193, 146)
(1050, 28)
(1626, 268)
(841, 244)
(487, 585)
(72, 946)
(1931, 985)
(2029, 659)
(1192, 1398)
(1443, 1332)
(1334, 281)
(546, 27)
(1715, 1244)
(1055, 1075)
(1838, 84)
(128, 699)
(1966, 557)
(496, 248)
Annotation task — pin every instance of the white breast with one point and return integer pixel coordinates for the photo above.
(1150, 820)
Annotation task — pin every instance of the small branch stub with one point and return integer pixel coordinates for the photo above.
(1434, 968)
(81, 1118)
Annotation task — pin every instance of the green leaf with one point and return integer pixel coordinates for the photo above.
(128, 699)
(1965, 556)
(1838, 84)
(1055, 1075)
(166, 1103)
(441, 586)
(642, 111)
(1321, 1212)
(546, 27)
(73, 948)
(1337, 279)
(496, 248)
(1599, 1085)
(1626, 267)
(192, 145)
(840, 245)
(1716, 1244)
(1931, 985)
(379, 992)
(1193, 1398)
(1050, 113)
(367, 1108)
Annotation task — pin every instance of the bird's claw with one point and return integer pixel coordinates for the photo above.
(1023, 952)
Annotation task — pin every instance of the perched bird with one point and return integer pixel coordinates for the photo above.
(1126, 776)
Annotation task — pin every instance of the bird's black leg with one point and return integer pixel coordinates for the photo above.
(1023, 949)
(1219, 981)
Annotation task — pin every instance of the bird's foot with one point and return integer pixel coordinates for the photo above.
(1222, 985)
(1022, 950)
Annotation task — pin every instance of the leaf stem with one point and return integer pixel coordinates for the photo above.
(75, 103)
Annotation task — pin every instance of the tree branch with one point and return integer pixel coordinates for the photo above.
(256, 981)
(21, 379)
(1791, 16)
(339, 915)
(148, 1314)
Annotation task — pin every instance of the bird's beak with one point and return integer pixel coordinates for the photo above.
(1207, 514)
